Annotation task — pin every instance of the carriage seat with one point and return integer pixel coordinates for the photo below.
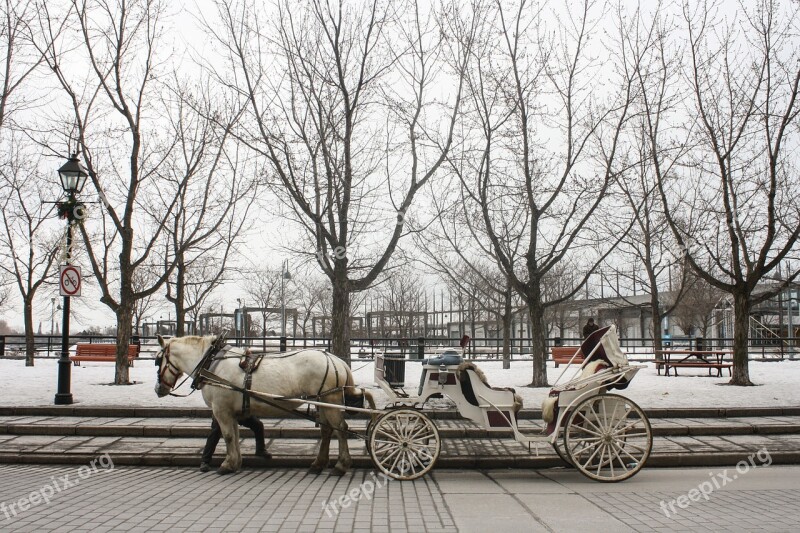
(446, 358)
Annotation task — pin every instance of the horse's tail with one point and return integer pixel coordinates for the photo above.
(371, 402)
(351, 391)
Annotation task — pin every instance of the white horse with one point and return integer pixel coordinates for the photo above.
(304, 373)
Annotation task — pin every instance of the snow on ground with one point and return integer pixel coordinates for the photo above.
(779, 385)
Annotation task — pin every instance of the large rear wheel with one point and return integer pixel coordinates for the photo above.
(608, 438)
(404, 444)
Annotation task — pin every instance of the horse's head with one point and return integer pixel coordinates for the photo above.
(168, 373)
(179, 356)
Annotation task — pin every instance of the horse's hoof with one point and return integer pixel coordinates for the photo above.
(337, 472)
(264, 454)
(316, 470)
(224, 470)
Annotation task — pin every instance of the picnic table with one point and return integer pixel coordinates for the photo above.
(710, 359)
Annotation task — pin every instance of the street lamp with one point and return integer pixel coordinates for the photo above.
(285, 276)
(73, 177)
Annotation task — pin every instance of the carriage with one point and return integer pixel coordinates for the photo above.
(605, 436)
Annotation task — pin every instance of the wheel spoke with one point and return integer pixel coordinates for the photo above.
(632, 445)
(389, 455)
(635, 459)
(599, 424)
(586, 419)
(621, 462)
(633, 423)
(596, 449)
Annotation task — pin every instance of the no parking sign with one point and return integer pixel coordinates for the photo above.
(69, 280)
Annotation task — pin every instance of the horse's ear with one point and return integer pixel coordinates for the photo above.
(161, 341)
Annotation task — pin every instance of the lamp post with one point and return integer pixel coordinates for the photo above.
(792, 299)
(73, 177)
(52, 315)
(285, 276)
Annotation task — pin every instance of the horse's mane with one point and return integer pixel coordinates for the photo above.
(192, 339)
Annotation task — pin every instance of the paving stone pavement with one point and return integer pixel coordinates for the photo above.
(139, 499)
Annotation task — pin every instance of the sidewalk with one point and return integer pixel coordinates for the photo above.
(52, 438)
(144, 499)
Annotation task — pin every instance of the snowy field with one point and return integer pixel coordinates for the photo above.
(779, 385)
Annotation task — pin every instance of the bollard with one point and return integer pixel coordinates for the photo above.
(2, 346)
(421, 348)
(283, 344)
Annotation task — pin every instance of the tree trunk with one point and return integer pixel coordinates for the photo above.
(655, 310)
(741, 328)
(507, 317)
(179, 299)
(538, 342)
(30, 345)
(124, 322)
(340, 318)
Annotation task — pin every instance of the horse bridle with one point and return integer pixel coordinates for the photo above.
(163, 356)
(175, 372)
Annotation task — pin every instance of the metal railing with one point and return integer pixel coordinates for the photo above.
(13, 346)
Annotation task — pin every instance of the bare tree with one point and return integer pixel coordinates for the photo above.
(143, 307)
(211, 207)
(27, 245)
(20, 57)
(695, 310)
(310, 294)
(648, 254)
(403, 296)
(455, 246)
(741, 219)
(263, 287)
(118, 111)
(354, 127)
(507, 165)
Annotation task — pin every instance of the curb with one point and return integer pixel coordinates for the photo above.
(480, 462)
(312, 432)
(438, 414)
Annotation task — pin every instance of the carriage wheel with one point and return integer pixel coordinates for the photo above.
(561, 452)
(608, 437)
(404, 444)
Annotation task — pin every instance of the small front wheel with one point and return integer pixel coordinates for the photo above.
(608, 437)
(404, 444)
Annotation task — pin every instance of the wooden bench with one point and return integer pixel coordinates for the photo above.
(709, 366)
(101, 353)
(562, 354)
(710, 359)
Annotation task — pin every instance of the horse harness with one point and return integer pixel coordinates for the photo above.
(249, 363)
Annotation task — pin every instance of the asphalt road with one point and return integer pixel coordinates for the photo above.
(100, 496)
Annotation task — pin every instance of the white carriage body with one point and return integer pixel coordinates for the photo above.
(493, 409)
(583, 411)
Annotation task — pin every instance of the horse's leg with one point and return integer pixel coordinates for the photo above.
(230, 432)
(336, 419)
(324, 451)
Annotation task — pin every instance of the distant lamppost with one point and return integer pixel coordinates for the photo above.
(792, 301)
(52, 316)
(73, 177)
(285, 276)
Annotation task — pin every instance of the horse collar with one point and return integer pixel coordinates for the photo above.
(216, 346)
